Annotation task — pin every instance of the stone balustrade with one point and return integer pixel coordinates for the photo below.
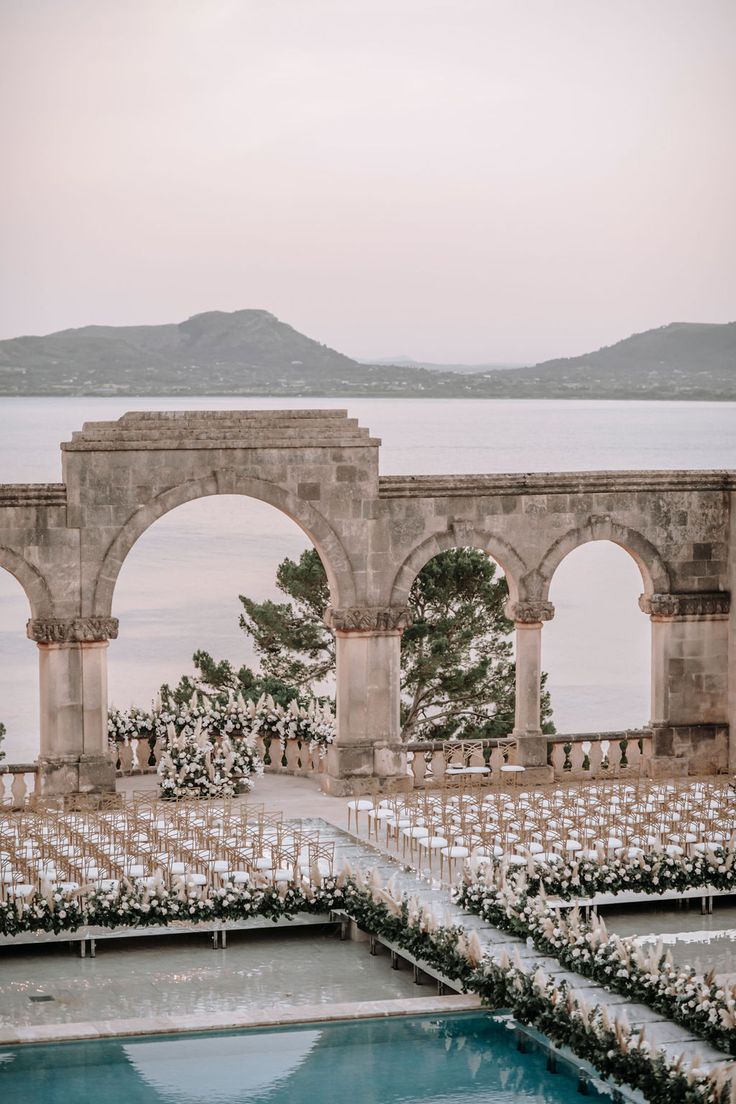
(590, 755)
(573, 756)
(142, 755)
(18, 783)
(579, 755)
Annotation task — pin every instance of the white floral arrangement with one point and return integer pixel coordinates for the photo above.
(200, 763)
(228, 715)
(312, 726)
(654, 872)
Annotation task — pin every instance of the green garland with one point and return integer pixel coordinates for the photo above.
(700, 1004)
(653, 872)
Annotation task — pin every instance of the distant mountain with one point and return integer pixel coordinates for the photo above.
(250, 352)
(210, 349)
(683, 360)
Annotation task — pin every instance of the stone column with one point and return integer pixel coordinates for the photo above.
(368, 748)
(689, 717)
(74, 756)
(529, 618)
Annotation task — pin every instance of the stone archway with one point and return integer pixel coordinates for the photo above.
(495, 547)
(34, 584)
(654, 572)
(227, 482)
(65, 543)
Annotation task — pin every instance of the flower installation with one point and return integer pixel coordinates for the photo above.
(310, 726)
(649, 872)
(512, 901)
(610, 1045)
(206, 764)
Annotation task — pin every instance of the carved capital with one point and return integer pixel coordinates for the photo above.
(368, 619)
(703, 604)
(75, 630)
(530, 612)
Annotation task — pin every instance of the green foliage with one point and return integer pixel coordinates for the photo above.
(292, 642)
(458, 674)
(220, 676)
(456, 658)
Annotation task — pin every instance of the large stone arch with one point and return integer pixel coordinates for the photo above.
(507, 557)
(654, 571)
(34, 585)
(320, 533)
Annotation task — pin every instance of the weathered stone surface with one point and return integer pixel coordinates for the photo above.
(703, 604)
(76, 774)
(690, 749)
(54, 630)
(66, 543)
(368, 619)
(530, 612)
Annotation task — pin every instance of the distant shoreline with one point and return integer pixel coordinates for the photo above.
(361, 395)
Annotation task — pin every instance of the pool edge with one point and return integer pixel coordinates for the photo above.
(229, 1021)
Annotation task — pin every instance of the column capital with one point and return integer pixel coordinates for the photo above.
(530, 612)
(376, 619)
(73, 630)
(705, 604)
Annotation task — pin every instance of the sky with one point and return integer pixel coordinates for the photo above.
(452, 180)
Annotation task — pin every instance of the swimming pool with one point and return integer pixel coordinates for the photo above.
(469, 1058)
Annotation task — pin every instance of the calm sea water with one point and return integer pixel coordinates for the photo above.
(179, 587)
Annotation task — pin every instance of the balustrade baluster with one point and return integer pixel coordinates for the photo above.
(125, 758)
(595, 759)
(19, 791)
(558, 760)
(438, 765)
(496, 762)
(138, 756)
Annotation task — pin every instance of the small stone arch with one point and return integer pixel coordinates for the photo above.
(456, 537)
(331, 551)
(654, 572)
(34, 585)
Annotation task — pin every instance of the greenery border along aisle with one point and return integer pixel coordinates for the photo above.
(517, 903)
(610, 1046)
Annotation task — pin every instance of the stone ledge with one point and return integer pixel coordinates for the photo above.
(449, 486)
(264, 441)
(221, 429)
(32, 494)
(235, 1020)
(663, 607)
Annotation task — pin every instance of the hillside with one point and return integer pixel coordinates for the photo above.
(682, 360)
(251, 352)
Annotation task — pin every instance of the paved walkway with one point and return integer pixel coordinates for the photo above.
(295, 797)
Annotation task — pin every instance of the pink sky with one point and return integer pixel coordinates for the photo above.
(468, 180)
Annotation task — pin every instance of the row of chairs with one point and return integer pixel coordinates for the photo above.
(597, 822)
(201, 844)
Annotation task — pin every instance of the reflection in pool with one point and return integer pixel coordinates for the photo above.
(703, 950)
(468, 1058)
(703, 942)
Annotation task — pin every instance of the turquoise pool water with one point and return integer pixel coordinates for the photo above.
(460, 1059)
